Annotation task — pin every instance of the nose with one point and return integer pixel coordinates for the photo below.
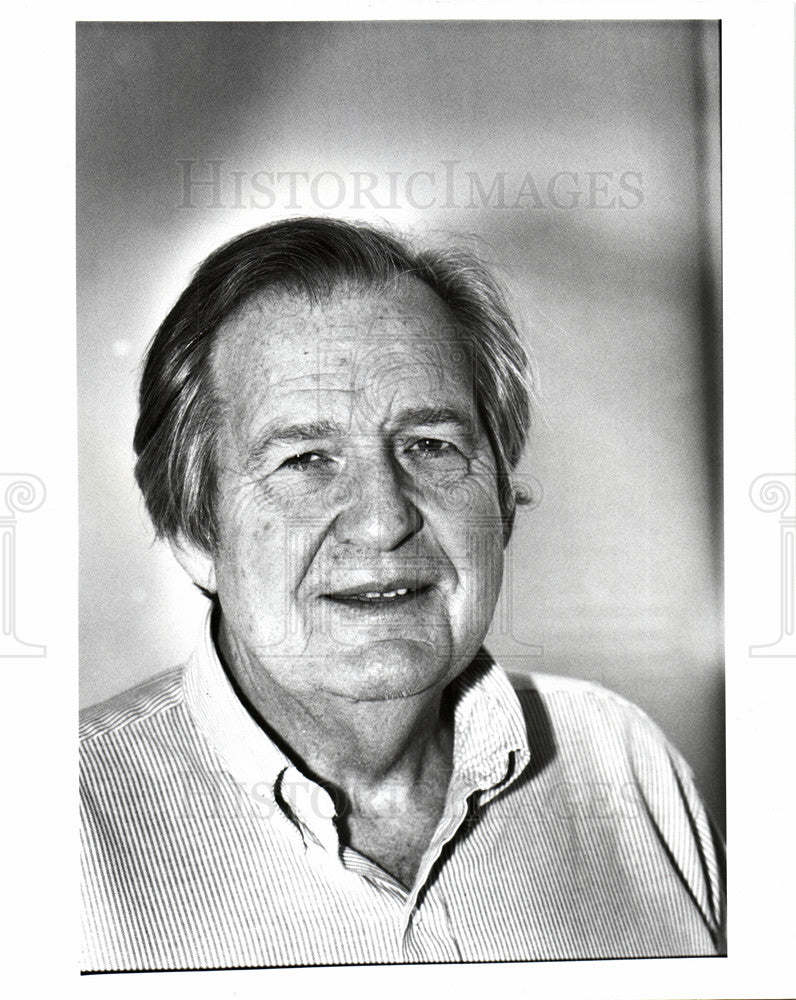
(378, 510)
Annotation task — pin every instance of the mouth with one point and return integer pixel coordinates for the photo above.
(399, 595)
(386, 596)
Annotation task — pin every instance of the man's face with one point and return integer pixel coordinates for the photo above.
(360, 541)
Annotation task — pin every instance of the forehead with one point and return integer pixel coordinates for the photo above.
(383, 343)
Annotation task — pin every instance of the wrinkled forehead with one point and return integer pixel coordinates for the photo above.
(380, 341)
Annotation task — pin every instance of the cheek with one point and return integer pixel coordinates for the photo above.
(473, 541)
(270, 562)
(466, 522)
(247, 561)
(469, 516)
(486, 562)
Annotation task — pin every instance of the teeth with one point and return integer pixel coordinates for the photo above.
(375, 595)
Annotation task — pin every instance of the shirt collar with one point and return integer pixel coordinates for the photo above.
(250, 755)
(490, 734)
(491, 745)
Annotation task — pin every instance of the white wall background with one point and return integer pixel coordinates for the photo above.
(615, 575)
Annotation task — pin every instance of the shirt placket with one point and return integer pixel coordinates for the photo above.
(427, 931)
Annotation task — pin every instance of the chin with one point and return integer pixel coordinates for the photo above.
(390, 669)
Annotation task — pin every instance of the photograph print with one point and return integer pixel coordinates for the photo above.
(401, 584)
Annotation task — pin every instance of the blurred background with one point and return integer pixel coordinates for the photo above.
(584, 159)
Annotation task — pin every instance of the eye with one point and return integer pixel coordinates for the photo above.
(305, 461)
(432, 446)
(436, 457)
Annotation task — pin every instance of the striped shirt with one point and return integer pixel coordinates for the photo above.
(571, 830)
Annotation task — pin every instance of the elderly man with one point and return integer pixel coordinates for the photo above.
(341, 774)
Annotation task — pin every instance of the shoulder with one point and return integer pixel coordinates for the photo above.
(135, 744)
(131, 708)
(603, 760)
(554, 687)
(583, 705)
(598, 734)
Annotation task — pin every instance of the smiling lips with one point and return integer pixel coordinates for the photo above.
(375, 596)
(371, 593)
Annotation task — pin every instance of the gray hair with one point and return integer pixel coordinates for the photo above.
(175, 437)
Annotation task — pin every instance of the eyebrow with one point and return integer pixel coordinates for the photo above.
(292, 433)
(435, 415)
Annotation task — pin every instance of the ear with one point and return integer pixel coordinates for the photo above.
(197, 563)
